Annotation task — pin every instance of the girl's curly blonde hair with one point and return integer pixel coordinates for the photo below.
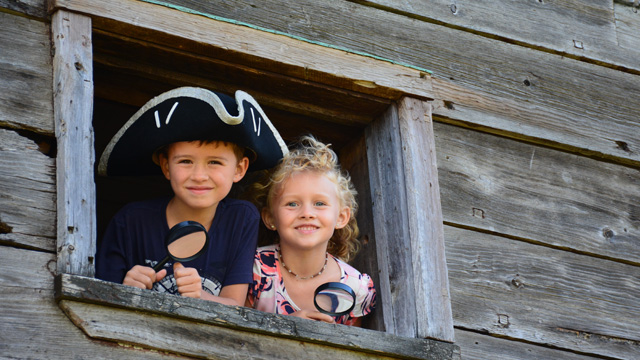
(310, 154)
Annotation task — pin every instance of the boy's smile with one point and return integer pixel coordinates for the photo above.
(201, 174)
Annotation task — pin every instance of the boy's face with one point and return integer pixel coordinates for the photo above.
(202, 174)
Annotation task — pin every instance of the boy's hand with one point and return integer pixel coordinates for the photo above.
(314, 315)
(143, 277)
(188, 281)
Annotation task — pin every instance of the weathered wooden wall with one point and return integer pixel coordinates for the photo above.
(538, 154)
(538, 157)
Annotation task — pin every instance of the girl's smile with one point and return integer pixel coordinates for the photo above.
(307, 211)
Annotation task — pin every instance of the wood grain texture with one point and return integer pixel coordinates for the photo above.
(483, 346)
(353, 159)
(73, 109)
(201, 315)
(433, 304)
(27, 193)
(407, 221)
(520, 190)
(25, 75)
(36, 8)
(582, 29)
(263, 49)
(164, 334)
(390, 219)
(557, 298)
(479, 81)
(34, 327)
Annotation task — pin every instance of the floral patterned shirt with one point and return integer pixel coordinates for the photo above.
(268, 294)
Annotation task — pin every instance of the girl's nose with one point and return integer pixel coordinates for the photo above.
(307, 211)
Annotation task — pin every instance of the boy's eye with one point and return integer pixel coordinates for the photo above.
(184, 161)
(215, 162)
(291, 204)
(320, 203)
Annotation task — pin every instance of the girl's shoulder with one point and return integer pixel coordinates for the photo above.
(266, 259)
(354, 278)
(348, 269)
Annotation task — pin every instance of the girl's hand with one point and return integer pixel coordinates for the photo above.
(188, 281)
(314, 315)
(143, 277)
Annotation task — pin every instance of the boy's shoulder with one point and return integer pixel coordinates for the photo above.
(149, 205)
(237, 205)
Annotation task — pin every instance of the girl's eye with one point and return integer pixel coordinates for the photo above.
(320, 203)
(291, 204)
(184, 161)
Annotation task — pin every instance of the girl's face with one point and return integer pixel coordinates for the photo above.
(306, 211)
(202, 174)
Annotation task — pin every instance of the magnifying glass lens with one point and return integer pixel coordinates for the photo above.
(188, 245)
(334, 300)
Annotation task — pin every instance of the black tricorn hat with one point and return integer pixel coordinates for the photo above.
(189, 114)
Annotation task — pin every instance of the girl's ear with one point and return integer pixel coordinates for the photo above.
(267, 219)
(343, 217)
(241, 169)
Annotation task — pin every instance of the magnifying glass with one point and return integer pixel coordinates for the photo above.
(334, 298)
(185, 241)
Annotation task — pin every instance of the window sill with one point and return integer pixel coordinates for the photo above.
(194, 327)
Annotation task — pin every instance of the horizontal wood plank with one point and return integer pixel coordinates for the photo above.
(28, 200)
(200, 313)
(164, 334)
(25, 75)
(545, 296)
(482, 346)
(478, 81)
(34, 327)
(36, 8)
(536, 193)
(582, 29)
(261, 49)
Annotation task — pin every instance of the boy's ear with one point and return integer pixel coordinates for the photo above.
(343, 217)
(241, 169)
(164, 166)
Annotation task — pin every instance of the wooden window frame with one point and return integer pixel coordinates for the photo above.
(406, 215)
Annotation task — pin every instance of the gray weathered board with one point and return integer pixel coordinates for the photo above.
(525, 191)
(541, 295)
(146, 318)
(25, 74)
(34, 327)
(73, 111)
(479, 81)
(27, 193)
(591, 30)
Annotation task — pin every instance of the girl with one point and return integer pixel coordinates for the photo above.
(311, 204)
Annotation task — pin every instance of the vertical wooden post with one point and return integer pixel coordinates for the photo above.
(73, 109)
(408, 222)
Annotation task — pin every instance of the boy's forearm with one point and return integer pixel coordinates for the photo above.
(219, 299)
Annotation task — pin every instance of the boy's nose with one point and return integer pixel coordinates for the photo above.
(199, 172)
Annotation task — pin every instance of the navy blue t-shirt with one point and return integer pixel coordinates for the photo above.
(136, 236)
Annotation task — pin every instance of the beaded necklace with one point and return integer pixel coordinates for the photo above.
(326, 259)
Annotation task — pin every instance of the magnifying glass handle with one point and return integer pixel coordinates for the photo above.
(160, 264)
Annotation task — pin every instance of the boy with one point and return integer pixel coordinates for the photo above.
(203, 142)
